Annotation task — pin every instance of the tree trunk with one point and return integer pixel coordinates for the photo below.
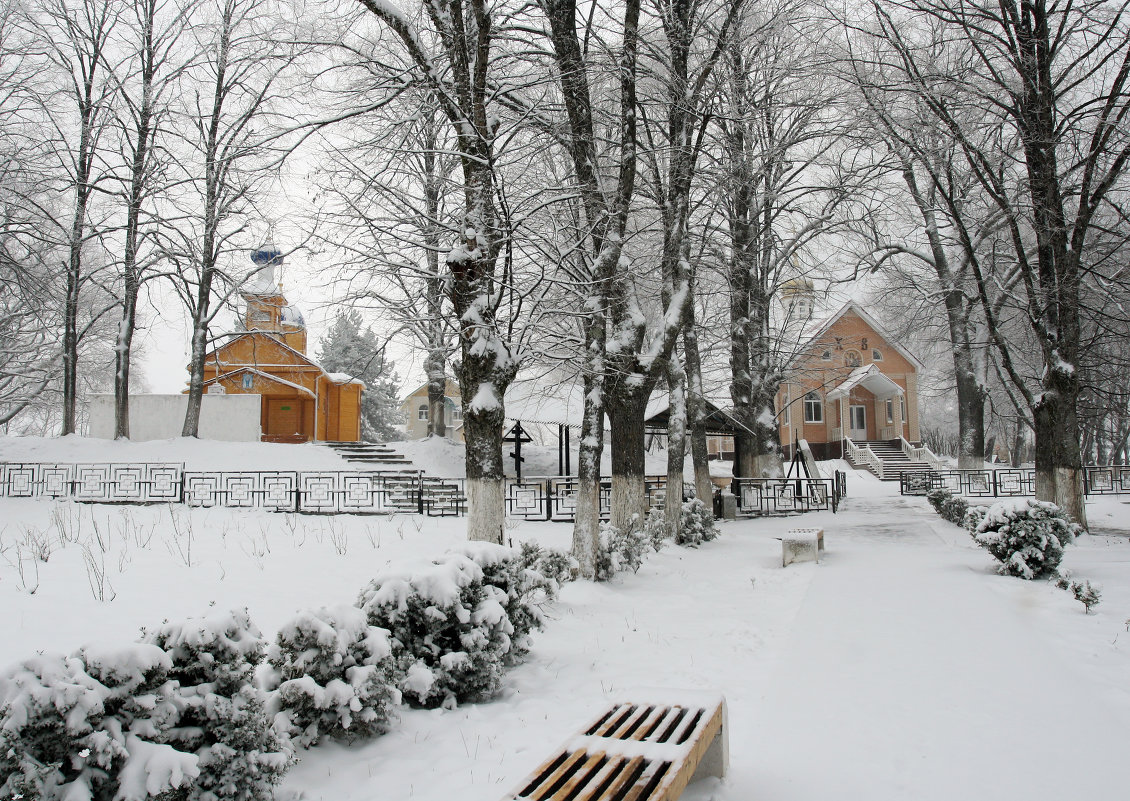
(586, 523)
(122, 353)
(482, 424)
(70, 333)
(437, 392)
(629, 494)
(676, 446)
(970, 413)
(1059, 467)
(696, 416)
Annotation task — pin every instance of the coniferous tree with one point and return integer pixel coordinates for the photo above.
(349, 348)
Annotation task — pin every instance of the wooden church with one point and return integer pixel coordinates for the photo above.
(301, 402)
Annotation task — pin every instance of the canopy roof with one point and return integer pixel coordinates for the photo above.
(870, 379)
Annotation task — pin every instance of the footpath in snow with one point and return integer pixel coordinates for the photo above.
(910, 673)
(899, 668)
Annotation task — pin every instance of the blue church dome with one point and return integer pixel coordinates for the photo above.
(267, 254)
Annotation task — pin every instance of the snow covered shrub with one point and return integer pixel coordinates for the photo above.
(1026, 538)
(334, 677)
(449, 630)
(937, 497)
(951, 507)
(223, 718)
(656, 529)
(527, 589)
(84, 726)
(557, 566)
(698, 523)
(620, 550)
(1084, 591)
(973, 517)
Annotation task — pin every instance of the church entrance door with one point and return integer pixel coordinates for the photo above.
(284, 420)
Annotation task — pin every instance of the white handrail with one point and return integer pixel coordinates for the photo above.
(864, 456)
(922, 454)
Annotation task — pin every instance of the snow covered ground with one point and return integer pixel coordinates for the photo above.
(900, 667)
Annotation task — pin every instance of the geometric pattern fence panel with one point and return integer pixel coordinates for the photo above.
(276, 490)
(1107, 480)
(93, 482)
(767, 496)
(1006, 483)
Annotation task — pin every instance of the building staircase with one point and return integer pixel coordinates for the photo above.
(372, 455)
(891, 460)
(409, 489)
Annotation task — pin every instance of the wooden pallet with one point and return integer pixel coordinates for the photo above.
(635, 752)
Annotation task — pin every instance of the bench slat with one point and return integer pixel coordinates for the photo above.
(635, 752)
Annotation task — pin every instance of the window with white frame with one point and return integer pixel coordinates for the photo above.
(890, 410)
(813, 408)
(876, 355)
(902, 407)
(786, 411)
(826, 355)
(422, 412)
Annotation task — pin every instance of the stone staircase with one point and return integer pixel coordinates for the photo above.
(893, 461)
(404, 482)
(372, 455)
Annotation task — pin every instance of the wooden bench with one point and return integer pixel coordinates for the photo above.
(802, 545)
(636, 752)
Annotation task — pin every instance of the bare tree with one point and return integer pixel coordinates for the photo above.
(390, 190)
(229, 145)
(1052, 79)
(75, 36)
(786, 182)
(458, 71)
(155, 58)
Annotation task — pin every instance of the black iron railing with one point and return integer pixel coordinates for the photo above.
(767, 496)
(552, 498)
(1010, 482)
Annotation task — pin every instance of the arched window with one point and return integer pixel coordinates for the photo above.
(876, 355)
(852, 359)
(813, 408)
(422, 412)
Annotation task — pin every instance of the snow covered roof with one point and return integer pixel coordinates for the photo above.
(344, 378)
(267, 376)
(718, 420)
(870, 379)
(533, 401)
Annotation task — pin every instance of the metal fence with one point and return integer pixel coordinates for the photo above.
(552, 498)
(767, 496)
(555, 497)
(313, 492)
(1010, 482)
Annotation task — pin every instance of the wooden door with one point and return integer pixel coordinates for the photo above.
(284, 418)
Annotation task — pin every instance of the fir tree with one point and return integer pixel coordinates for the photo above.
(347, 348)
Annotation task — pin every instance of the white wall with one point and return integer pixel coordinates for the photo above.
(232, 418)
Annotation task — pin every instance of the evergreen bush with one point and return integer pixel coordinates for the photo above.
(621, 549)
(557, 566)
(698, 523)
(655, 529)
(1084, 592)
(937, 497)
(222, 714)
(85, 725)
(449, 629)
(1027, 538)
(515, 572)
(334, 676)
